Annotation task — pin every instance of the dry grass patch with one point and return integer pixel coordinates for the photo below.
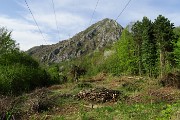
(165, 94)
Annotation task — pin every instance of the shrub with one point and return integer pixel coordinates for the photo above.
(56, 77)
(84, 85)
(20, 73)
(17, 57)
(17, 79)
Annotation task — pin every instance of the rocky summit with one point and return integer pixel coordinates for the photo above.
(98, 36)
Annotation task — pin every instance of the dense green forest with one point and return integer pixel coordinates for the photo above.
(151, 48)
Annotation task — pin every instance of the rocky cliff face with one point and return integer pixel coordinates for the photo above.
(101, 34)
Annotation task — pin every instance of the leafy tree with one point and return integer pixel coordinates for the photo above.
(163, 33)
(6, 43)
(18, 72)
(125, 49)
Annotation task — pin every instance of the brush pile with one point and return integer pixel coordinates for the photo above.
(171, 80)
(99, 95)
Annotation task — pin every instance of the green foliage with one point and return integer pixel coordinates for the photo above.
(122, 59)
(77, 72)
(84, 85)
(17, 79)
(6, 43)
(132, 86)
(163, 33)
(149, 49)
(58, 118)
(111, 65)
(146, 111)
(168, 111)
(17, 57)
(177, 46)
(18, 72)
(138, 40)
(138, 111)
(92, 62)
(177, 53)
(126, 53)
(56, 76)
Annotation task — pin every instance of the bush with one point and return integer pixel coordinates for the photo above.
(111, 65)
(17, 57)
(17, 79)
(56, 77)
(84, 85)
(20, 73)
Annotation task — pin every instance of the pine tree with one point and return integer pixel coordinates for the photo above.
(177, 47)
(137, 36)
(163, 32)
(149, 49)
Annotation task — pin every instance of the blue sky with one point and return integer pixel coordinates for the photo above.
(74, 16)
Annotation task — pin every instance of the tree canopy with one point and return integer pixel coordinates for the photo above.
(149, 48)
(7, 44)
(18, 72)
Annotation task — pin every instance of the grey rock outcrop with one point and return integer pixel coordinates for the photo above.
(99, 35)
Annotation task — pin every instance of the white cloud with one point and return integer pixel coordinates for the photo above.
(23, 32)
(15, 24)
(74, 16)
(28, 39)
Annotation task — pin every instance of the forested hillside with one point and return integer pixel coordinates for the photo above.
(149, 48)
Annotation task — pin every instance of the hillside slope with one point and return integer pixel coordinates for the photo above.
(101, 97)
(101, 34)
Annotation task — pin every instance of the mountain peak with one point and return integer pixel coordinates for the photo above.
(97, 36)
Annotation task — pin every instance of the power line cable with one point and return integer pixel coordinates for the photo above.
(35, 21)
(123, 9)
(94, 12)
(56, 19)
